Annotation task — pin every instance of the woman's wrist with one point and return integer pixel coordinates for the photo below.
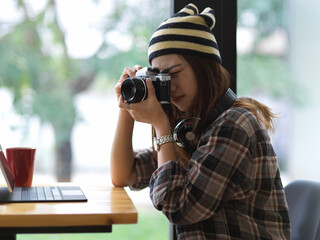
(125, 119)
(163, 128)
(124, 112)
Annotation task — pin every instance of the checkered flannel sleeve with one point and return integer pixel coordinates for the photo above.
(144, 164)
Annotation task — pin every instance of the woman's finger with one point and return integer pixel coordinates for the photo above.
(130, 72)
(122, 103)
(137, 68)
(151, 91)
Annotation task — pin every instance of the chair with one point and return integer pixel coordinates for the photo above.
(303, 199)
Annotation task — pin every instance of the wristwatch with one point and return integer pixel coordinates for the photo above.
(157, 142)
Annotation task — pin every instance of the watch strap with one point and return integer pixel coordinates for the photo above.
(162, 140)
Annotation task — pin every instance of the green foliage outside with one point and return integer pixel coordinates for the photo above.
(269, 14)
(267, 74)
(44, 79)
(258, 73)
(255, 70)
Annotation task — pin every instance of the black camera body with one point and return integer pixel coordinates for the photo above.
(135, 89)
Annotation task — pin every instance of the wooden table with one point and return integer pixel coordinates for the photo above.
(106, 206)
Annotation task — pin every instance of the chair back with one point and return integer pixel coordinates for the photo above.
(303, 199)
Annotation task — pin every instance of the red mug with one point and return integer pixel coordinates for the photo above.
(21, 161)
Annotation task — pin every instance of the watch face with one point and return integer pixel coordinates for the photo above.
(156, 147)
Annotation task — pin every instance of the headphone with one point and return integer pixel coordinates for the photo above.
(185, 132)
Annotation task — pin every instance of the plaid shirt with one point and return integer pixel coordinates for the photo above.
(231, 189)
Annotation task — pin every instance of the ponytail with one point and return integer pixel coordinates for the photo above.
(262, 112)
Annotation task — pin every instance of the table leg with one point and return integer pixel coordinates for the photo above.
(172, 232)
(8, 236)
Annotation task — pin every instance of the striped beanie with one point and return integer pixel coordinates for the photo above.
(186, 32)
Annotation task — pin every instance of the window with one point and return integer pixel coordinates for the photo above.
(277, 64)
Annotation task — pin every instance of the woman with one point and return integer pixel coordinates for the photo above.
(224, 183)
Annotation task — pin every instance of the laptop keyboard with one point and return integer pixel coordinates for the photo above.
(37, 193)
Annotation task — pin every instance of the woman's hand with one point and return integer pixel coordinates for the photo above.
(122, 154)
(127, 72)
(149, 110)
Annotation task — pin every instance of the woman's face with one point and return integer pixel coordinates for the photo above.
(183, 80)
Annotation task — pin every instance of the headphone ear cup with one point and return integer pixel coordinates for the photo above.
(184, 134)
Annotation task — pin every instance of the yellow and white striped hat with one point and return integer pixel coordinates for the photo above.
(186, 32)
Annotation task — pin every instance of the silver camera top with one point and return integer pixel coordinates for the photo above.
(153, 74)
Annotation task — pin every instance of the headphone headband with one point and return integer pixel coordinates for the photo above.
(222, 105)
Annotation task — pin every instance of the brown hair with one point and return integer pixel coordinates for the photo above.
(213, 82)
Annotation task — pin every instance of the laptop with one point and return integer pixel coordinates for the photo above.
(12, 194)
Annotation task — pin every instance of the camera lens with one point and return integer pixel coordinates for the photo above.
(134, 90)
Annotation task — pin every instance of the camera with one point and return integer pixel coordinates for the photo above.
(135, 89)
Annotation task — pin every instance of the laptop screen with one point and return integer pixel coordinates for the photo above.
(7, 173)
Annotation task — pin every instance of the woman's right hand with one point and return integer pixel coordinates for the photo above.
(122, 155)
(127, 72)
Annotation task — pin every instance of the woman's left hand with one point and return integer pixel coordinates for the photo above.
(150, 110)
